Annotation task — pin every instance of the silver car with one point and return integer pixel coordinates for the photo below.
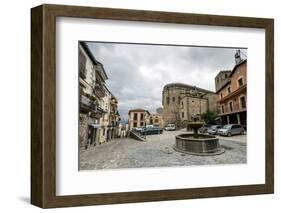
(214, 129)
(231, 129)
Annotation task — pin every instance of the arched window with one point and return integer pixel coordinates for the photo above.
(230, 106)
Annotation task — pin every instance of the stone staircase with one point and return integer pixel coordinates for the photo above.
(136, 135)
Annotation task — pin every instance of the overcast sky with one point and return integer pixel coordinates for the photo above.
(138, 73)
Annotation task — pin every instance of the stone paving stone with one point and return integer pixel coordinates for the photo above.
(157, 151)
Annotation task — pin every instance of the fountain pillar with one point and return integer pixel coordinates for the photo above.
(197, 144)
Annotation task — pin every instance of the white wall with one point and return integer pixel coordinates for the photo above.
(15, 104)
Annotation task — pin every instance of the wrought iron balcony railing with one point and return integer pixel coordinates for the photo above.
(87, 104)
(228, 109)
(99, 90)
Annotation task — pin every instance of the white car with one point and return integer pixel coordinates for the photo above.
(170, 127)
(138, 129)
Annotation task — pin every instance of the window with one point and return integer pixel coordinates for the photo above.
(141, 116)
(235, 127)
(141, 123)
(82, 62)
(222, 108)
(243, 102)
(182, 104)
(103, 132)
(240, 82)
(230, 106)
(156, 120)
(168, 100)
(135, 116)
(221, 94)
(229, 90)
(174, 99)
(179, 100)
(182, 114)
(135, 124)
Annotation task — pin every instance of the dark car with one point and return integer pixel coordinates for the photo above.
(151, 131)
(204, 128)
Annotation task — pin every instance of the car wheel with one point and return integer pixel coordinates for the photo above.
(229, 134)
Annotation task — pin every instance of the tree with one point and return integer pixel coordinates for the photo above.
(209, 117)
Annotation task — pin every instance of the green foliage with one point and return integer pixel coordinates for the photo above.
(92, 98)
(209, 117)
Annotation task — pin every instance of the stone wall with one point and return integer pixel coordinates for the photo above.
(83, 128)
(171, 106)
(212, 102)
(181, 101)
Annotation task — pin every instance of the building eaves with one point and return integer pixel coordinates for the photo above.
(236, 66)
(182, 85)
(228, 82)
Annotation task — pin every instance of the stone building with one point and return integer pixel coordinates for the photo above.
(138, 118)
(232, 95)
(182, 101)
(222, 78)
(94, 98)
(105, 105)
(114, 118)
(156, 119)
(111, 118)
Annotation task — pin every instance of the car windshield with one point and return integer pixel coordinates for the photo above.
(227, 126)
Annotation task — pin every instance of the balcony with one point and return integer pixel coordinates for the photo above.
(240, 90)
(99, 91)
(100, 110)
(230, 110)
(113, 111)
(82, 71)
(113, 124)
(87, 105)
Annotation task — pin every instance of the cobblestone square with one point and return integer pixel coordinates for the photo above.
(157, 151)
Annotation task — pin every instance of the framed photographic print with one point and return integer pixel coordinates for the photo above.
(136, 106)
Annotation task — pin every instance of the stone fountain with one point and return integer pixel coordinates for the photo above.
(197, 144)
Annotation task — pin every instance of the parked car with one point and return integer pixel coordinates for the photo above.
(138, 129)
(170, 127)
(151, 130)
(213, 130)
(231, 129)
(204, 128)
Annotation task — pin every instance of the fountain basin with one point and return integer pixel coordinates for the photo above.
(198, 144)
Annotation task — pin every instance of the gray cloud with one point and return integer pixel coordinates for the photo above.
(137, 73)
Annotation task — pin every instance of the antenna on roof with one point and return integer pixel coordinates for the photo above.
(242, 53)
(237, 57)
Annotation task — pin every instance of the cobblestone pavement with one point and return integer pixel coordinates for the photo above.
(157, 151)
